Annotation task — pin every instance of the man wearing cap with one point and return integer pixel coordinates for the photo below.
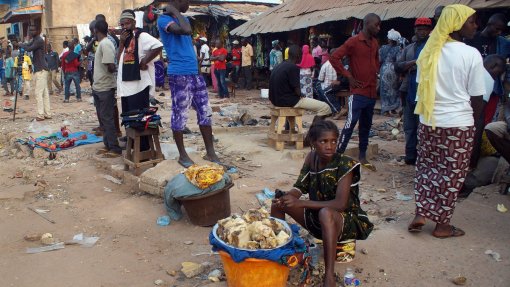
(275, 56)
(236, 61)
(406, 65)
(187, 86)
(136, 80)
(204, 59)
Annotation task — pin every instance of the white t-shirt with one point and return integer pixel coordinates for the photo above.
(489, 85)
(148, 78)
(460, 75)
(204, 49)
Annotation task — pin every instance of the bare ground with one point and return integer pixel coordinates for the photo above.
(134, 251)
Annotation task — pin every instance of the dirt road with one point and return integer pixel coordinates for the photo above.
(134, 251)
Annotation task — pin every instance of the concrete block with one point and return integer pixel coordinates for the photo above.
(161, 173)
(151, 189)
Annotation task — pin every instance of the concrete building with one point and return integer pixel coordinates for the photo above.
(59, 19)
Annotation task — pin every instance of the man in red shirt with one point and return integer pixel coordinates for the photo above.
(219, 56)
(362, 51)
(70, 66)
(236, 61)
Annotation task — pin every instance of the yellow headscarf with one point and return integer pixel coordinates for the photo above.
(452, 19)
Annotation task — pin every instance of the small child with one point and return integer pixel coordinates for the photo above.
(25, 77)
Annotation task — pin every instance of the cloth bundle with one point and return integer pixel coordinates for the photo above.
(141, 119)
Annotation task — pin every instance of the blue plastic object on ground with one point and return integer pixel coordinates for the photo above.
(163, 220)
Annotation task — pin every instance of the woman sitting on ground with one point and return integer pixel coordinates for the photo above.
(333, 212)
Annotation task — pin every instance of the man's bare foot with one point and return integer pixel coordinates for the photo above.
(330, 281)
(212, 158)
(416, 224)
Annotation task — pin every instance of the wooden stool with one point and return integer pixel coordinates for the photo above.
(134, 157)
(278, 135)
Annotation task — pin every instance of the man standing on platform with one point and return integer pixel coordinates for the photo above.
(186, 84)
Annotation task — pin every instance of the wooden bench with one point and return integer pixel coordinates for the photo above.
(137, 159)
(277, 134)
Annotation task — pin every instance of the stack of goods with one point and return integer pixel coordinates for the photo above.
(60, 140)
(141, 119)
(203, 176)
(253, 230)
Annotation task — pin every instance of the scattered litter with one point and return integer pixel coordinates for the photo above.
(37, 128)
(461, 280)
(159, 282)
(112, 179)
(381, 190)
(395, 132)
(107, 189)
(188, 242)
(32, 237)
(214, 276)
(403, 197)
(494, 255)
(42, 210)
(41, 215)
(501, 208)
(84, 240)
(47, 239)
(172, 273)
(265, 195)
(364, 251)
(56, 246)
(210, 253)
(232, 170)
(163, 220)
(229, 111)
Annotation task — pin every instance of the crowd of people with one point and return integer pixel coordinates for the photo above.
(450, 84)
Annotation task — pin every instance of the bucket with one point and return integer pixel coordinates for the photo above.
(264, 93)
(254, 272)
(207, 209)
(345, 251)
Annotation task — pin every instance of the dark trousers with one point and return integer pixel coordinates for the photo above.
(105, 104)
(72, 77)
(328, 96)
(9, 81)
(136, 102)
(361, 109)
(411, 122)
(248, 77)
(236, 70)
(222, 82)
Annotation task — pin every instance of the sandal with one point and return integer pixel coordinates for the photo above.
(454, 232)
(185, 164)
(369, 166)
(39, 119)
(415, 227)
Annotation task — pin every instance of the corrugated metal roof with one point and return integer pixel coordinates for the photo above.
(298, 14)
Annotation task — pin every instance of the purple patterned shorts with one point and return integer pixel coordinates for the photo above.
(187, 91)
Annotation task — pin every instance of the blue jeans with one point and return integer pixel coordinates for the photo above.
(411, 122)
(361, 109)
(222, 83)
(72, 77)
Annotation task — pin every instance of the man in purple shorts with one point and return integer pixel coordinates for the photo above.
(187, 86)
